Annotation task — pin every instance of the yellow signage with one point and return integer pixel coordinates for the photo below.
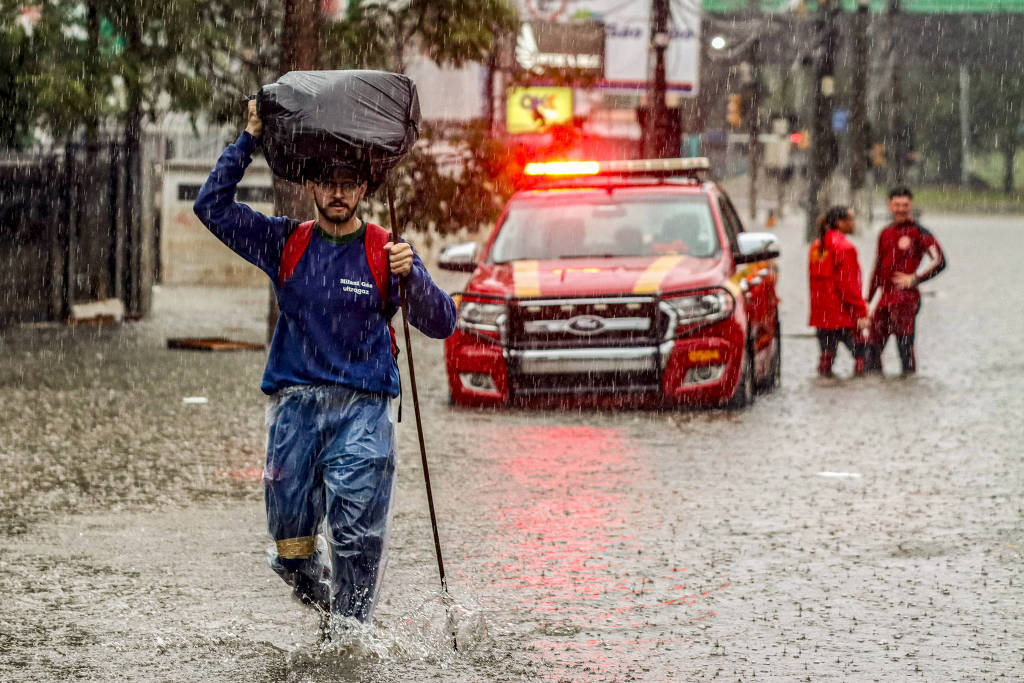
(532, 110)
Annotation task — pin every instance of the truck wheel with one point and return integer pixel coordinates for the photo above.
(744, 394)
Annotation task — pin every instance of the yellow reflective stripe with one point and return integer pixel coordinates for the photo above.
(296, 548)
(650, 280)
(733, 283)
(526, 278)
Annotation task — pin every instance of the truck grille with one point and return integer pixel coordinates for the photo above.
(585, 323)
(586, 345)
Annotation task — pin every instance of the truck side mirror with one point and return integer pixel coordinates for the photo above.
(459, 257)
(752, 247)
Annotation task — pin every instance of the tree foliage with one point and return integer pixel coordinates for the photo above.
(17, 91)
(380, 33)
(465, 185)
(932, 100)
(995, 115)
(91, 65)
(85, 67)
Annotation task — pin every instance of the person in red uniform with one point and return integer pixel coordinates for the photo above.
(838, 311)
(902, 246)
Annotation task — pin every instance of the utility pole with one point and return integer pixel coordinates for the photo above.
(298, 53)
(965, 125)
(656, 135)
(753, 87)
(897, 144)
(823, 148)
(860, 142)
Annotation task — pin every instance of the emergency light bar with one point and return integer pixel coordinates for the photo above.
(630, 167)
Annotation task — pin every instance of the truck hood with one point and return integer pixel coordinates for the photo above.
(596, 276)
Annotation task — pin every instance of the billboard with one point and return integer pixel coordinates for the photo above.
(533, 109)
(567, 52)
(879, 6)
(627, 27)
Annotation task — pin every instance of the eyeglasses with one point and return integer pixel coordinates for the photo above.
(344, 186)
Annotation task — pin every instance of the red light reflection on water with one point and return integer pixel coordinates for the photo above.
(568, 506)
(569, 511)
(249, 474)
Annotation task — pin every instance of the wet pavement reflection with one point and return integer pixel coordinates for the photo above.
(839, 529)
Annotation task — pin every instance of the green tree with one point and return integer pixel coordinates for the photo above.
(17, 94)
(464, 188)
(997, 117)
(103, 65)
(379, 34)
(932, 100)
(467, 188)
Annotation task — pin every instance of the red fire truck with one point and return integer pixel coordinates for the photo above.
(622, 281)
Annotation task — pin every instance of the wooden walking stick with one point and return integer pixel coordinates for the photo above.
(395, 236)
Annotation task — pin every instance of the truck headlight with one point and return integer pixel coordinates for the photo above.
(483, 317)
(701, 307)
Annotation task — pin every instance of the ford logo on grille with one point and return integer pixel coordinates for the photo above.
(585, 324)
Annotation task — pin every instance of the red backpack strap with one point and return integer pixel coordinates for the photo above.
(380, 267)
(294, 247)
(374, 241)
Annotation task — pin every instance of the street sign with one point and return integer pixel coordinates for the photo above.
(840, 118)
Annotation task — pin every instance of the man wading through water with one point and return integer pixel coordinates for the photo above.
(331, 373)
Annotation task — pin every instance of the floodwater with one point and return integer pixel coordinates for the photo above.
(838, 530)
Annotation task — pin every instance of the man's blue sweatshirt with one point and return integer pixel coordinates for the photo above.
(332, 328)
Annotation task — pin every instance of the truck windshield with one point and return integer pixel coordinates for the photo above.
(606, 225)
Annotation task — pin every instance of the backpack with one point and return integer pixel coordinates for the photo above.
(373, 242)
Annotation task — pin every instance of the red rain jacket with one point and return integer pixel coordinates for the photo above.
(836, 300)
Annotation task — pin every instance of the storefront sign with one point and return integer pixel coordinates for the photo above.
(564, 51)
(532, 110)
(627, 28)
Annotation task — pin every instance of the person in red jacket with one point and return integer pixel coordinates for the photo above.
(838, 310)
(902, 245)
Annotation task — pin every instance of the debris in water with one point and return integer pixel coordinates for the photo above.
(212, 344)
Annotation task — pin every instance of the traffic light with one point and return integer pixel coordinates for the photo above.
(878, 155)
(734, 110)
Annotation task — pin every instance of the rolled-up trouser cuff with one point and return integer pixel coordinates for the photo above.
(296, 548)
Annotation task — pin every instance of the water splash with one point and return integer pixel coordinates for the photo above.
(423, 633)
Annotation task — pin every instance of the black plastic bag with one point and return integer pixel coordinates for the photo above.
(315, 120)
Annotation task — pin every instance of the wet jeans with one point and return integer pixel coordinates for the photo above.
(331, 461)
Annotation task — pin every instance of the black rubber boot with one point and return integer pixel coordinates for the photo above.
(908, 359)
(872, 359)
(825, 361)
(309, 579)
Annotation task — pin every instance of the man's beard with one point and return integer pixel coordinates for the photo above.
(339, 211)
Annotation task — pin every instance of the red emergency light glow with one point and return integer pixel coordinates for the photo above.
(623, 167)
(796, 138)
(563, 168)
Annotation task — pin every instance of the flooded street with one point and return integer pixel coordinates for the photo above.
(839, 529)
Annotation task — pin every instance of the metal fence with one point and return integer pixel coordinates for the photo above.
(73, 229)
